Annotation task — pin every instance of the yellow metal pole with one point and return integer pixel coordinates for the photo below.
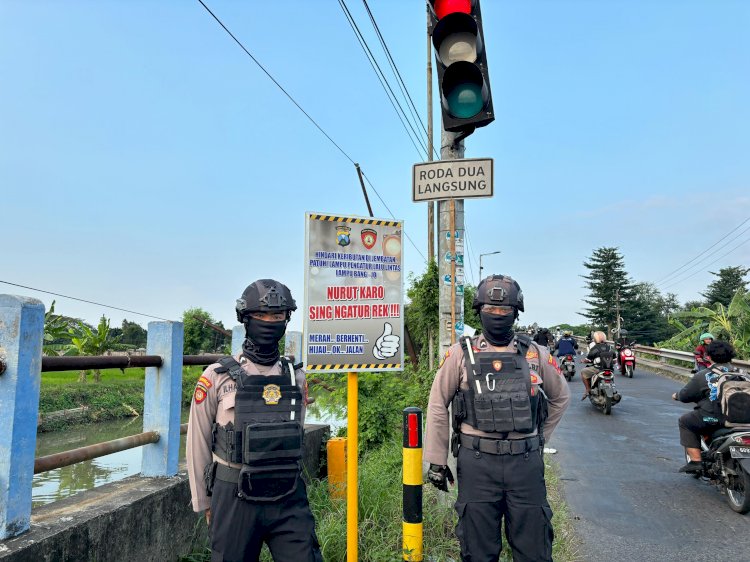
(352, 446)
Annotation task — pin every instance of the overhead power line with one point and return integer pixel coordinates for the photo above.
(408, 126)
(86, 301)
(672, 273)
(707, 265)
(288, 95)
(397, 74)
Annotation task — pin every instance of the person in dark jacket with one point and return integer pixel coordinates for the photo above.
(706, 417)
(566, 345)
(542, 337)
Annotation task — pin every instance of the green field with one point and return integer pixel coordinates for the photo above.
(119, 394)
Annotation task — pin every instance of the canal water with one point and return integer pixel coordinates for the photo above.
(63, 482)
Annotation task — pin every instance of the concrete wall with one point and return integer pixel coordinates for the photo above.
(145, 519)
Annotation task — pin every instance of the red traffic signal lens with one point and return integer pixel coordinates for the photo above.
(445, 7)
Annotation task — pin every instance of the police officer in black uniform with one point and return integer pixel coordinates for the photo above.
(507, 395)
(244, 445)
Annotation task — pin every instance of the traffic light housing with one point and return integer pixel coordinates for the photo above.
(463, 78)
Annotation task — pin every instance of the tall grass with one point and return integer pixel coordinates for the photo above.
(380, 516)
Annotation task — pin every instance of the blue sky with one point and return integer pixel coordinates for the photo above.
(147, 163)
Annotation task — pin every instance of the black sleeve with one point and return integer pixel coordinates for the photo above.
(695, 389)
(593, 353)
(575, 344)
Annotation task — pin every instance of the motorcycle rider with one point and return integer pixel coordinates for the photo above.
(565, 346)
(542, 337)
(701, 356)
(706, 417)
(600, 355)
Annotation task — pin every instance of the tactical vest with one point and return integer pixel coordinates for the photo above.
(501, 397)
(266, 436)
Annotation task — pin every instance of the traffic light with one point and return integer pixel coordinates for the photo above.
(463, 77)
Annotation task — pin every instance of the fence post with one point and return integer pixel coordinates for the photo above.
(163, 398)
(21, 335)
(238, 336)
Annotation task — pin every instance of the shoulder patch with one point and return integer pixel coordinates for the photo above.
(200, 394)
(532, 353)
(205, 382)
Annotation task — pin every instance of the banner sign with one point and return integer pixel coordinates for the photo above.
(354, 313)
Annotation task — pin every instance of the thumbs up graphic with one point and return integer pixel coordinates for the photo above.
(386, 345)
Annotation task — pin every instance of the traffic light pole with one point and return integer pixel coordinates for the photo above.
(450, 247)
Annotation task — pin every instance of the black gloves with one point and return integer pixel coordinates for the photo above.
(440, 476)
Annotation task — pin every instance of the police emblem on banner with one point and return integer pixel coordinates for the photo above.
(342, 235)
(369, 237)
(271, 394)
(497, 364)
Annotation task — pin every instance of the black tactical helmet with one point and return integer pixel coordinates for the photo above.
(498, 290)
(265, 295)
(623, 332)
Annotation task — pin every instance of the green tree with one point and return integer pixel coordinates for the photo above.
(646, 314)
(731, 323)
(607, 281)
(133, 334)
(422, 313)
(200, 337)
(471, 318)
(723, 289)
(56, 332)
(88, 341)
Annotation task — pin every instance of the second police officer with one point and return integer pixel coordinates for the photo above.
(508, 396)
(244, 443)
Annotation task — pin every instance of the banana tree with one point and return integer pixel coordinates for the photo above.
(85, 341)
(730, 323)
(56, 328)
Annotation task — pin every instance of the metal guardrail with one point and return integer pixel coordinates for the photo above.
(74, 456)
(674, 354)
(84, 362)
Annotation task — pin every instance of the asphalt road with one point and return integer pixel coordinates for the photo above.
(621, 482)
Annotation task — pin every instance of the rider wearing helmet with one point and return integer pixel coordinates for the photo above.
(701, 355)
(566, 345)
(244, 443)
(500, 466)
(702, 389)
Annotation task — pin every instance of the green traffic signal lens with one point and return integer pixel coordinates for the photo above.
(465, 100)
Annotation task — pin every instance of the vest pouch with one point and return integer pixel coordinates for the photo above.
(483, 410)
(268, 483)
(522, 420)
(271, 443)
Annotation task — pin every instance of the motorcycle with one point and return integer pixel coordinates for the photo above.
(603, 394)
(726, 464)
(627, 360)
(568, 367)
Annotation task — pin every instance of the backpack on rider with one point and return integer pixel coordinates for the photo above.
(733, 394)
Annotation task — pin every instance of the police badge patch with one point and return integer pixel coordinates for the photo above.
(497, 364)
(342, 235)
(369, 237)
(271, 394)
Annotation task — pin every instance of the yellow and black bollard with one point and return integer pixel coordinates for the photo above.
(413, 538)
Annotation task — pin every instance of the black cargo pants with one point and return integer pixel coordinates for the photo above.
(239, 527)
(491, 487)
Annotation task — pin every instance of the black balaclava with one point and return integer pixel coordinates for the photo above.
(497, 329)
(262, 339)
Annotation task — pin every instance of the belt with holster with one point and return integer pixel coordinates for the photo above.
(500, 446)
